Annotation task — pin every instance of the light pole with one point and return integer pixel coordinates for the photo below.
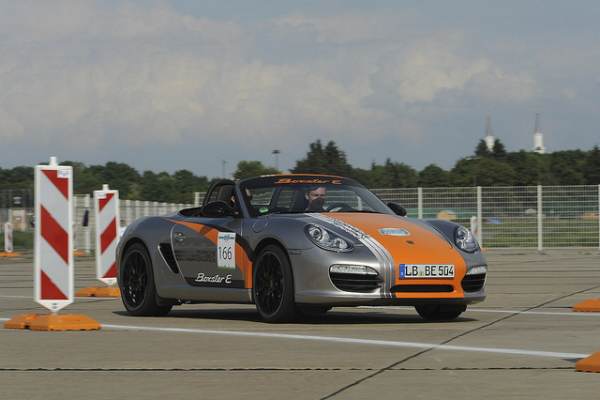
(276, 155)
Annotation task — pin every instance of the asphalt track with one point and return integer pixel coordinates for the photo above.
(522, 342)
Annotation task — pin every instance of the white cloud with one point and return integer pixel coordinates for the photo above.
(349, 28)
(494, 84)
(435, 67)
(136, 73)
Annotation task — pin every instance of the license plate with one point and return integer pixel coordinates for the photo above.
(426, 271)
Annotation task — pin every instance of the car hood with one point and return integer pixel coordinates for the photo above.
(406, 241)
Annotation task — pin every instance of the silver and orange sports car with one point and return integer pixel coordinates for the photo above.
(295, 244)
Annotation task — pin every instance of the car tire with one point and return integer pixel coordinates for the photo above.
(440, 312)
(273, 285)
(137, 285)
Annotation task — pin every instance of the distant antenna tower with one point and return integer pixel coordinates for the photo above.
(489, 135)
(538, 137)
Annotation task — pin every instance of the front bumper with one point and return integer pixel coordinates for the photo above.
(313, 284)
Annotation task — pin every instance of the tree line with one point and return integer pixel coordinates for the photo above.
(176, 187)
(483, 168)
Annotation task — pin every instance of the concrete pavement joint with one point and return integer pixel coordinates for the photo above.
(499, 311)
(257, 369)
(444, 343)
(276, 369)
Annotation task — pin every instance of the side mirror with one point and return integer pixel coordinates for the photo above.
(397, 209)
(217, 209)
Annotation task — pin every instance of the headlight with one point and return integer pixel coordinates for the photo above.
(326, 239)
(465, 240)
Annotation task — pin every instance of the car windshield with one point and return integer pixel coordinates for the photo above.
(306, 194)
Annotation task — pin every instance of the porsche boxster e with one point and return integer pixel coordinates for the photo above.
(294, 244)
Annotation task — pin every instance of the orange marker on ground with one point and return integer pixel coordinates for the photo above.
(590, 305)
(589, 364)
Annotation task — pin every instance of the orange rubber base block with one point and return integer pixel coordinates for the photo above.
(107, 291)
(590, 305)
(52, 322)
(11, 254)
(589, 364)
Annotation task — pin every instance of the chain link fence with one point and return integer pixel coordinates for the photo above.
(509, 217)
(17, 206)
(504, 217)
(512, 217)
(129, 211)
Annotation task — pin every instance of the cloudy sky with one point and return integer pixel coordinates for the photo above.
(166, 85)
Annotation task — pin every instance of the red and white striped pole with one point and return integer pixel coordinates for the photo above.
(53, 249)
(53, 253)
(106, 215)
(106, 208)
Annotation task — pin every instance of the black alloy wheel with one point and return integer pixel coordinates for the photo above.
(273, 287)
(136, 281)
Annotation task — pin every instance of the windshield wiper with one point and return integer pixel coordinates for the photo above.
(359, 211)
(282, 212)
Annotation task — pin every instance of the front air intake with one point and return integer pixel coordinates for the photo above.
(355, 282)
(473, 283)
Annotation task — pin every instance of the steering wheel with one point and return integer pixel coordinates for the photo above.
(339, 207)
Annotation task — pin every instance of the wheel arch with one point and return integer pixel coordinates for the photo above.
(268, 241)
(272, 241)
(130, 242)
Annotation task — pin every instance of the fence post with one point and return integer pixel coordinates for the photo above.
(128, 212)
(9, 204)
(146, 208)
(479, 216)
(540, 227)
(196, 199)
(87, 246)
(420, 202)
(138, 209)
(75, 227)
(8, 238)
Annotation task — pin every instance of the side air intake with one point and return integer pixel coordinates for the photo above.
(167, 253)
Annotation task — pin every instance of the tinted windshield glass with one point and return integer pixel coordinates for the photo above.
(304, 194)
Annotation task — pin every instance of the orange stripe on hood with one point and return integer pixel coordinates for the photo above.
(421, 246)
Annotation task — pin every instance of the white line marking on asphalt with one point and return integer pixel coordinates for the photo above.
(345, 340)
(500, 311)
(15, 297)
